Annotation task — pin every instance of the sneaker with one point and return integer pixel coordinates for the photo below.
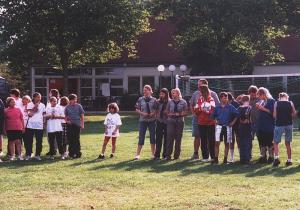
(270, 160)
(137, 157)
(101, 157)
(111, 156)
(262, 160)
(62, 157)
(205, 160)
(1, 161)
(195, 157)
(276, 162)
(20, 157)
(225, 161)
(38, 158)
(288, 163)
(27, 157)
(1, 154)
(231, 160)
(11, 158)
(167, 158)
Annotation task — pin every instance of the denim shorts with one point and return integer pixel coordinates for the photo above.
(288, 133)
(195, 129)
(143, 126)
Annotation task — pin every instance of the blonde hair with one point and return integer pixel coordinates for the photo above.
(178, 91)
(27, 97)
(8, 100)
(283, 95)
(264, 91)
(148, 87)
(113, 106)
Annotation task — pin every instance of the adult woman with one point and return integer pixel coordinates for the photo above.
(176, 110)
(145, 107)
(161, 123)
(203, 109)
(265, 124)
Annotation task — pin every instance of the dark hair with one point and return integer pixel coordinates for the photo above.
(166, 92)
(53, 99)
(64, 101)
(15, 92)
(230, 96)
(204, 91)
(36, 94)
(72, 96)
(113, 106)
(223, 94)
(203, 81)
(54, 93)
(252, 89)
(8, 100)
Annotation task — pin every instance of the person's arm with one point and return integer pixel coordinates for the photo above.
(82, 121)
(294, 112)
(268, 108)
(185, 110)
(275, 110)
(22, 121)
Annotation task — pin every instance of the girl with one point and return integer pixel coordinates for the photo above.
(284, 111)
(265, 124)
(161, 123)
(64, 101)
(2, 107)
(245, 131)
(203, 109)
(112, 124)
(14, 128)
(35, 126)
(176, 110)
(145, 107)
(54, 129)
(75, 123)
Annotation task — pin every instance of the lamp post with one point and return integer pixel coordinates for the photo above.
(160, 68)
(172, 68)
(183, 68)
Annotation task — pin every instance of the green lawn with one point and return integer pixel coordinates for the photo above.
(121, 183)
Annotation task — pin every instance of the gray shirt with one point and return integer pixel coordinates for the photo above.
(141, 104)
(181, 107)
(254, 111)
(73, 113)
(161, 114)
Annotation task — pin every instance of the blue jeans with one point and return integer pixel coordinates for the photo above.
(143, 125)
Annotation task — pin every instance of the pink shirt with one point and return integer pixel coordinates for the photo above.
(13, 119)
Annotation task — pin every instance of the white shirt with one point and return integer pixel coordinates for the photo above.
(36, 121)
(54, 125)
(63, 114)
(24, 112)
(19, 103)
(112, 121)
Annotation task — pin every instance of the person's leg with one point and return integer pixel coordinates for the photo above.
(218, 131)
(211, 139)
(229, 143)
(64, 137)
(59, 142)
(288, 150)
(39, 142)
(171, 129)
(70, 137)
(11, 148)
(142, 134)
(288, 141)
(261, 137)
(203, 130)
(159, 138)
(196, 135)
(113, 145)
(270, 137)
(28, 141)
(1, 144)
(105, 142)
(152, 126)
(51, 139)
(77, 146)
(178, 138)
(18, 144)
(165, 141)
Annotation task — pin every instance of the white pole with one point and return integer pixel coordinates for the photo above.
(177, 80)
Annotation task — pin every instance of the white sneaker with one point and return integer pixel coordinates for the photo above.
(63, 157)
(20, 157)
(137, 157)
(11, 158)
(231, 161)
(1, 154)
(38, 158)
(205, 160)
(27, 157)
(1, 161)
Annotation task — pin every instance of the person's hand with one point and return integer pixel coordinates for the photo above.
(231, 125)
(82, 126)
(114, 133)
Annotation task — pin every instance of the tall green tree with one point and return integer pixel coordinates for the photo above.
(223, 36)
(68, 33)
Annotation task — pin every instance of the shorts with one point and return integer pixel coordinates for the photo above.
(288, 133)
(195, 131)
(14, 135)
(223, 131)
(265, 139)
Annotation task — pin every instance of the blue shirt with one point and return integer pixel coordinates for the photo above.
(224, 115)
(265, 120)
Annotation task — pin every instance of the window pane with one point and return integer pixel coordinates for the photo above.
(99, 83)
(86, 82)
(40, 83)
(86, 92)
(148, 81)
(117, 82)
(166, 82)
(133, 85)
(116, 92)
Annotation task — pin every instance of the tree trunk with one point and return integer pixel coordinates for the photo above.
(65, 78)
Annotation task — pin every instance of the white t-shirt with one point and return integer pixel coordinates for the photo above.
(112, 121)
(24, 112)
(63, 114)
(36, 121)
(19, 103)
(54, 125)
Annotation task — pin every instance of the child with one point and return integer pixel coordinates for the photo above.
(245, 130)
(284, 111)
(112, 124)
(64, 101)
(14, 128)
(15, 93)
(75, 122)
(225, 115)
(35, 126)
(2, 107)
(53, 116)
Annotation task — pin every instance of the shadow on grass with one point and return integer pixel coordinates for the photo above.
(20, 164)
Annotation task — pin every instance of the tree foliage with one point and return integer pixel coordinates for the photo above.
(223, 36)
(68, 33)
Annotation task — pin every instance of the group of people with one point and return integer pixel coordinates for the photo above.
(217, 118)
(25, 118)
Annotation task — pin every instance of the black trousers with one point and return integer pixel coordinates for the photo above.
(28, 141)
(73, 136)
(207, 135)
(161, 139)
(55, 138)
(174, 130)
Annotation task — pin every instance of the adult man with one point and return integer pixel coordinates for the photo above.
(195, 130)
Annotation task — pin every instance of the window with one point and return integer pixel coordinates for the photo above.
(116, 87)
(41, 87)
(40, 83)
(86, 87)
(99, 83)
(148, 81)
(166, 82)
(133, 85)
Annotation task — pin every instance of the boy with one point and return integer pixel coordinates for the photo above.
(15, 93)
(225, 115)
(75, 122)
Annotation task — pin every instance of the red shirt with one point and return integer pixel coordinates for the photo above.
(204, 117)
(13, 119)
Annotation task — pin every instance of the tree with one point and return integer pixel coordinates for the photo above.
(68, 33)
(223, 36)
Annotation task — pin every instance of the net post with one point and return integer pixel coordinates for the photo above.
(177, 80)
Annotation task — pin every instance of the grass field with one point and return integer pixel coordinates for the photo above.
(121, 183)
